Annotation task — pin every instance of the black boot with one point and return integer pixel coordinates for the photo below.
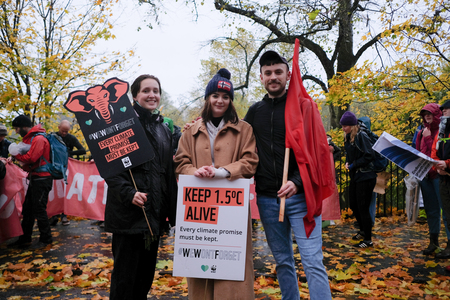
(434, 244)
(444, 253)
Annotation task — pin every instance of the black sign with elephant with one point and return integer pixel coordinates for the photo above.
(110, 126)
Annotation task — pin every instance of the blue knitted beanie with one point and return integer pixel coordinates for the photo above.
(220, 83)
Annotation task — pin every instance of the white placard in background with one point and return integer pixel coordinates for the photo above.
(406, 157)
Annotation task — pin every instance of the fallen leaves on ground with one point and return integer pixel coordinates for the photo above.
(393, 269)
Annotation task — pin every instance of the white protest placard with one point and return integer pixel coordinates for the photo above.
(406, 157)
(211, 228)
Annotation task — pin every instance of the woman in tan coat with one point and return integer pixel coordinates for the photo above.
(221, 146)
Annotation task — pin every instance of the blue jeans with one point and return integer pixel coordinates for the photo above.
(433, 205)
(280, 242)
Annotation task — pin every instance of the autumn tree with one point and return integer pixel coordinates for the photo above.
(231, 53)
(417, 74)
(331, 33)
(46, 48)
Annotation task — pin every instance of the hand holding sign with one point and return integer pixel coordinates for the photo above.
(205, 172)
(139, 199)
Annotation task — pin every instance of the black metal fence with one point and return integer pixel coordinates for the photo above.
(392, 200)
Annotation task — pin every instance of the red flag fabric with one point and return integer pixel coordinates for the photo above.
(306, 136)
(331, 209)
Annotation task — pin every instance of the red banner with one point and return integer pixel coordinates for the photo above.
(85, 193)
(12, 195)
(83, 196)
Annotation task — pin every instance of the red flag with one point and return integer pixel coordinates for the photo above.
(306, 136)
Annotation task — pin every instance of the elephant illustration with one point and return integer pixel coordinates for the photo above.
(98, 98)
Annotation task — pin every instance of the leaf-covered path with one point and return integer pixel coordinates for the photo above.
(79, 264)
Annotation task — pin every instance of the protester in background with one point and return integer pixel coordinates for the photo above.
(373, 203)
(2, 169)
(359, 155)
(176, 135)
(268, 120)
(431, 115)
(4, 143)
(147, 191)
(39, 186)
(440, 151)
(336, 151)
(198, 154)
(71, 142)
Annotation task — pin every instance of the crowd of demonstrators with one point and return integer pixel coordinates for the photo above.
(429, 186)
(220, 146)
(39, 185)
(359, 155)
(440, 151)
(145, 192)
(267, 118)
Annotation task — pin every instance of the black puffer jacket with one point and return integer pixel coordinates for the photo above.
(156, 178)
(359, 155)
(267, 120)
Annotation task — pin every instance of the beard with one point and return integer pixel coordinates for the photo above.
(277, 91)
(22, 132)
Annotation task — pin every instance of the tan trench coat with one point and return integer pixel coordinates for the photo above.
(234, 150)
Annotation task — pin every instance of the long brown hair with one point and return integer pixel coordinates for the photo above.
(353, 133)
(230, 114)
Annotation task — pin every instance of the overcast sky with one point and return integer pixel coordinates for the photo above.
(171, 51)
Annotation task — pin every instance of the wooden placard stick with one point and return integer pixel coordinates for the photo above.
(143, 209)
(285, 175)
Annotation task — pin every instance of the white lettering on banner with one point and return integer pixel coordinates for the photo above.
(105, 193)
(59, 184)
(93, 194)
(6, 212)
(76, 188)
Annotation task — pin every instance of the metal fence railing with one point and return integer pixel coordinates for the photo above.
(393, 199)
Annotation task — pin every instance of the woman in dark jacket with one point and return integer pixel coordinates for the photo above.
(359, 157)
(147, 197)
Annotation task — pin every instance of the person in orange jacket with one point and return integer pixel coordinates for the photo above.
(39, 186)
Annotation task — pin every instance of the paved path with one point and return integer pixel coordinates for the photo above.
(86, 247)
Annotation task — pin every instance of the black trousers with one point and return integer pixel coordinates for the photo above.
(134, 267)
(360, 198)
(35, 208)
